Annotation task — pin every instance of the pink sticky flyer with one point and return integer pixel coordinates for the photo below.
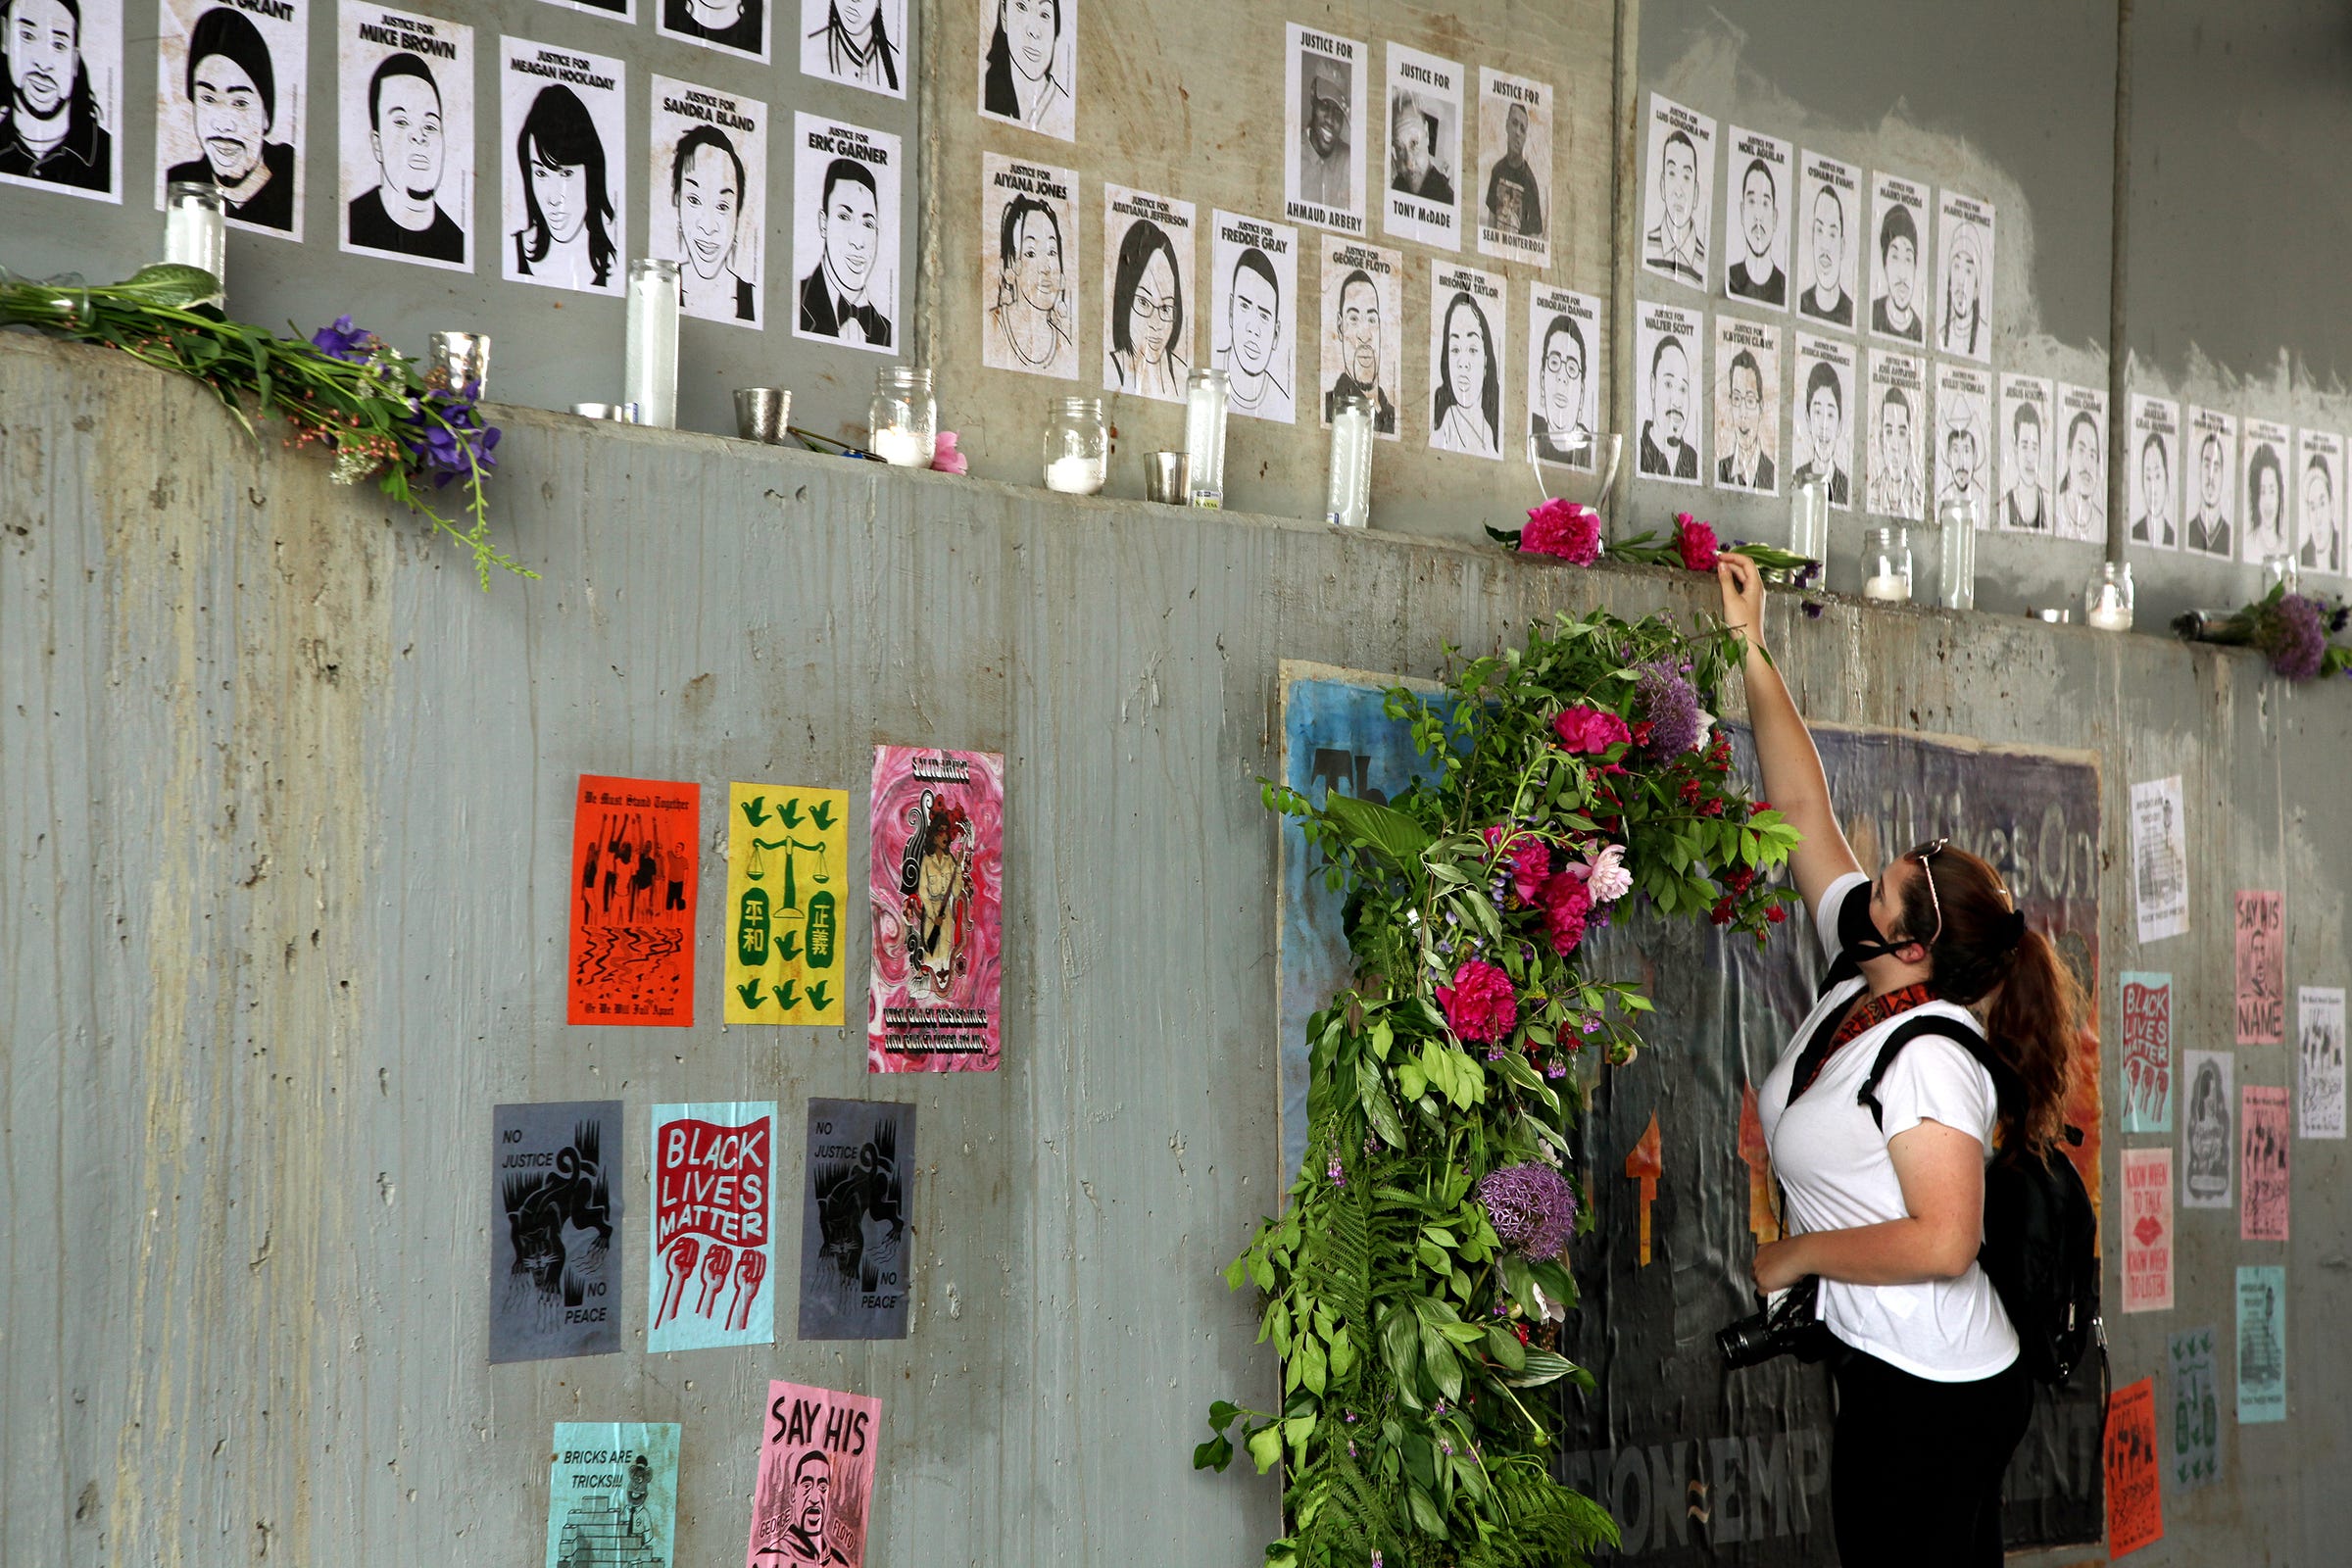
(2263, 1174)
(2148, 1230)
(815, 1484)
(937, 884)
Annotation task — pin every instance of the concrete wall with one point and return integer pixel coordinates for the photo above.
(281, 791)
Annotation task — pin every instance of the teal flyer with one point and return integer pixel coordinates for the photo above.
(2260, 1342)
(612, 1494)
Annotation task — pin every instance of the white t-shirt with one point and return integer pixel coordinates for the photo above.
(1834, 1169)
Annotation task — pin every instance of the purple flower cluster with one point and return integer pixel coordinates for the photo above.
(2294, 638)
(444, 438)
(354, 345)
(1667, 701)
(1532, 1208)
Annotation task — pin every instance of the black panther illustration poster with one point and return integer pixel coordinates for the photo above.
(856, 1241)
(554, 1249)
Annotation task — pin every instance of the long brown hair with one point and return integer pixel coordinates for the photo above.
(1982, 948)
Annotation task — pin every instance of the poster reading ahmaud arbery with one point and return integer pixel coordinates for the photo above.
(937, 889)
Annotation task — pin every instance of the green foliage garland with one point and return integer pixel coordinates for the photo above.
(1412, 1330)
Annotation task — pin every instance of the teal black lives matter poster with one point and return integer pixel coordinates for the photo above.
(855, 1244)
(612, 1494)
(554, 1249)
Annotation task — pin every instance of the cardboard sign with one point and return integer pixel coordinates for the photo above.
(635, 844)
(816, 1478)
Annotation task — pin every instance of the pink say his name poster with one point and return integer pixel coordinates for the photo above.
(714, 1226)
(816, 1483)
(2261, 932)
(2263, 1174)
(937, 883)
(2148, 1230)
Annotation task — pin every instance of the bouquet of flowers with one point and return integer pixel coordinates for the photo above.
(1572, 533)
(2292, 630)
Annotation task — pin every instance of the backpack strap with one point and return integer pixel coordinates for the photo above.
(2004, 1082)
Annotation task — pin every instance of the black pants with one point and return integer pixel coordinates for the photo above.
(1916, 1465)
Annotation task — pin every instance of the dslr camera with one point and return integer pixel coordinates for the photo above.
(1786, 1326)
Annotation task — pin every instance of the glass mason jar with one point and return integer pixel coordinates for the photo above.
(1204, 396)
(650, 372)
(1886, 565)
(196, 228)
(904, 418)
(2281, 571)
(2107, 596)
(1957, 521)
(1809, 520)
(1348, 493)
(1077, 446)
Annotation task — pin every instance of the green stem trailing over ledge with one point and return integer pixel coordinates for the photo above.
(1414, 1283)
(343, 390)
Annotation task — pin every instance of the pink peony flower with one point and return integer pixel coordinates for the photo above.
(1564, 529)
(1695, 542)
(1493, 833)
(1606, 876)
(1531, 864)
(945, 459)
(1567, 899)
(1589, 730)
(1479, 1004)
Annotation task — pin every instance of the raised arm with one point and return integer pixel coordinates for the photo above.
(1794, 781)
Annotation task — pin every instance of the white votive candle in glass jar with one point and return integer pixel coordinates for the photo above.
(1205, 400)
(650, 371)
(2108, 597)
(903, 421)
(1348, 494)
(1077, 451)
(196, 228)
(1886, 565)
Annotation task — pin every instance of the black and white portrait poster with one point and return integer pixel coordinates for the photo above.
(1029, 274)
(2081, 498)
(1564, 351)
(732, 26)
(2209, 457)
(1899, 259)
(1148, 297)
(854, 1215)
(1363, 328)
(1830, 241)
(2159, 860)
(2208, 1129)
(1747, 406)
(1669, 358)
(1514, 166)
(706, 198)
(1424, 176)
(1678, 193)
(2318, 502)
(1253, 314)
(407, 116)
(1324, 96)
(1822, 437)
(564, 181)
(1964, 253)
(1759, 199)
(845, 233)
(1964, 437)
(2320, 1061)
(2269, 448)
(63, 125)
(859, 43)
(554, 1249)
(2152, 481)
(1029, 65)
(618, 10)
(2029, 409)
(231, 85)
(1467, 315)
(1897, 440)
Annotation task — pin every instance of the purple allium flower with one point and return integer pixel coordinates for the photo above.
(1532, 1208)
(2294, 638)
(344, 341)
(1813, 608)
(1667, 701)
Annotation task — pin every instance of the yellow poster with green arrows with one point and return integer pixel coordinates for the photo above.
(788, 878)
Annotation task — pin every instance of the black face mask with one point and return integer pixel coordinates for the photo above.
(1858, 935)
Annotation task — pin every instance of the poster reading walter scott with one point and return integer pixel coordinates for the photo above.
(232, 88)
(936, 882)
(845, 233)
(1668, 358)
(1327, 107)
(613, 1493)
(707, 200)
(407, 116)
(554, 1249)
(855, 1208)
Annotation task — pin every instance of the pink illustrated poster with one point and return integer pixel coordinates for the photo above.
(816, 1481)
(2261, 968)
(937, 880)
(2148, 1230)
(2263, 1176)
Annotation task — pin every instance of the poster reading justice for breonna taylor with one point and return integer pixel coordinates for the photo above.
(1327, 110)
(1468, 319)
(845, 233)
(936, 880)
(564, 176)
(407, 116)
(816, 1487)
(707, 199)
(232, 90)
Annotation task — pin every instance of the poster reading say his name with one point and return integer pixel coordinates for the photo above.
(1897, 435)
(564, 182)
(1964, 261)
(854, 1212)
(231, 87)
(1677, 194)
(2080, 508)
(1747, 406)
(730, 27)
(707, 199)
(2260, 1342)
(2029, 405)
(2196, 1409)
(2152, 471)
(1830, 241)
(1151, 306)
(406, 136)
(2263, 1182)
(1758, 196)
(554, 1250)
(2320, 502)
(1822, 442)
(1964, 438)
(2148, 1230)
(845, 233)
(2160, 858)
(2209, 456)
(635, 844)
(1425, 164)
(2147, 1055)
(1564, 347)
(2320, 1061)
(788, 883)
(1899, 259)
(2261, 941)
(1363, 328)
(1029, 284)
(1514, 164)
(1668, 356)
(1467, 318)
(64, 77)
(857, 43)
(2269, 522)
(815, 1484)
(613, 1493)
(1254, 312)
(1327, 110)
(2134, 1502)
(714, 1226)
(2208, 1129)
(935, 881)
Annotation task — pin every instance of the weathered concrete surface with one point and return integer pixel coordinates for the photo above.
(281, 794)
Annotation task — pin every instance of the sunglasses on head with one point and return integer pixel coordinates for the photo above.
(1925, 853)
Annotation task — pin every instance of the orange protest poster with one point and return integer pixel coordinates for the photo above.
(2134, 1508)
(634, 848)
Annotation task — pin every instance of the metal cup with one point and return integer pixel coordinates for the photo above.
(462, 360)
(601, 411)
(1168, 477)
(760, 412)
